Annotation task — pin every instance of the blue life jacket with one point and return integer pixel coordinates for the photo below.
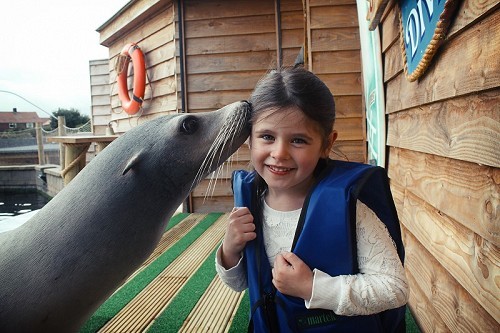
(325, 239)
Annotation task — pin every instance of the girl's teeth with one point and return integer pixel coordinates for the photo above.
(279, 169)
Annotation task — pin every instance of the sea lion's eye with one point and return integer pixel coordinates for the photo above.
(189, 125)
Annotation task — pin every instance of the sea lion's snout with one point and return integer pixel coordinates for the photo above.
(232, 123)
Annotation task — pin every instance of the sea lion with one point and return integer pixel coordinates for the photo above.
(63, 263)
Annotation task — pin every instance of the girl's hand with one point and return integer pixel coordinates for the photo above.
(291, 276)
(239, 231)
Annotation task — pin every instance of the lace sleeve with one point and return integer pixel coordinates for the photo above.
(381, 283)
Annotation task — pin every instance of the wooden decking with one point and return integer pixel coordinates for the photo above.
(186, 251)
(177, 288)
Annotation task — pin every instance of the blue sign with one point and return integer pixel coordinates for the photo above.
(423, 30)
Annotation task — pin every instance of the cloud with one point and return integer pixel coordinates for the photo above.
(47, 46)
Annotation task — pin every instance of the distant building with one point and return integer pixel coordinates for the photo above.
(15, 120)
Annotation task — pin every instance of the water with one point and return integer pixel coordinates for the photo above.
(14, 203)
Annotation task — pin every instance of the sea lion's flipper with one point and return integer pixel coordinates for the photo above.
(132, 162)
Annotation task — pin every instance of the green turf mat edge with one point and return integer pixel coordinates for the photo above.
(122, 297)
(172, 318)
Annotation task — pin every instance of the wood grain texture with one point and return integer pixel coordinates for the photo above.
(469, 12)
(334, 39)
(343, 83)
(389, 28)
(441, 304)
(333, 16)
(393, 64)
(470, 259)
(99, 95)
(229, 26)
(467, 192)
(348, 106)
(465, 128)
(469, 63)
(215, 9)
(130, 19)
(348, 61)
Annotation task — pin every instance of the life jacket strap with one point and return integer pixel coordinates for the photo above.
(268, 304)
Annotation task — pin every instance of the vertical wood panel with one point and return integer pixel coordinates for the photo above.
(334, 55)
(100, 109)
(228, 48)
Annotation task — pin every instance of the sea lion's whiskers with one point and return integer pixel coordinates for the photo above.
(217, 147)
(232, 126)
(209, 160)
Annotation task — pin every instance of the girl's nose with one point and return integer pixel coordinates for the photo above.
(280, 151)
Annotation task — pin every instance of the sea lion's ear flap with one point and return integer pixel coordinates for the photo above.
(132, 163)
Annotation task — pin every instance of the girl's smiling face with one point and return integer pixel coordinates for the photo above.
(285, 147)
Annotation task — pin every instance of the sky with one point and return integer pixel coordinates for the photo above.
(45, 51)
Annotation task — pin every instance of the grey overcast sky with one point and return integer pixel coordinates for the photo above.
(45, 51)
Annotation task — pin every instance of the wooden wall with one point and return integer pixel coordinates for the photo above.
(100, 110)
(100, 95)
(150, 24)
(444, 160)
(229, 47)
(334, 54)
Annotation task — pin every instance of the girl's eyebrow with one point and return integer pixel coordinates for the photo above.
(263, 130)
(293, 135)
(303, 136)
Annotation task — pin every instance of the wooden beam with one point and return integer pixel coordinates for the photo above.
(466, 128)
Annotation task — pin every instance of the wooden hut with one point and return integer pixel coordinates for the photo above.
(443, 130)
(202, 55)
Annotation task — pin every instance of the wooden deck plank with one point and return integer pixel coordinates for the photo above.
(169, 238)
(141, 311)
(214, 310)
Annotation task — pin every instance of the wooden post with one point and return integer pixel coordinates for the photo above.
(75, 160)
(39, 141)
(61, 121)
(279, 50)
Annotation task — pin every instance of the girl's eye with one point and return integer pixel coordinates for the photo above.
(298, 141)
(267, 137)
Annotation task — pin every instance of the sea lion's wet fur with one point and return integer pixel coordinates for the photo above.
(57, 268)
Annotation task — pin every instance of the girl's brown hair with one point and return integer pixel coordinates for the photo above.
(295, 86)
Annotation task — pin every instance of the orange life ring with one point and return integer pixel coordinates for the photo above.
(131, 106)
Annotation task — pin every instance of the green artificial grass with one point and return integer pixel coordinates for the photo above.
(123, 296)
(175, 220)
(411, 325)
(172, 318)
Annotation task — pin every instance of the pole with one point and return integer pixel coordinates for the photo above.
(61, 121)
(39, 141)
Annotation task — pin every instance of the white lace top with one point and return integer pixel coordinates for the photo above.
(278, 230)
(380, 285)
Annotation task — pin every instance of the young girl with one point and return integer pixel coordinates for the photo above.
(316, 241)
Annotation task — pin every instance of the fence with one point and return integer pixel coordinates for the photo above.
(30, 146)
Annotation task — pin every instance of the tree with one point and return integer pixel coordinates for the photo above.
(73, 118)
